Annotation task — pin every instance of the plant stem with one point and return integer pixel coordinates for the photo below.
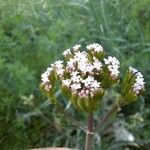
(108, 116)
(89, 133)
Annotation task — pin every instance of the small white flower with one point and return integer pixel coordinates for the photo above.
(71, 62)
(88, 81)
(50, 69)
(66, 82)
(112, 65)
(76, 47)
(67, 52)
(74, 74)
(139, 75)
(98, 48)
(95, 84)
(44, 79)
(45, 76)
(133, 70)
(60, 72)
(95, 47)
(76, 79)
(75, 86)
(139, 81)
(80, 56)
(89, 68)
(97, 64)
(111, 61)
(58, 64)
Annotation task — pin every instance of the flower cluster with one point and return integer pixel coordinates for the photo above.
(82, 87)
(85, 75)
(45, 79)
(113, 66)
(59, 68)
(138, 85)
(132, 85)
(81, 73)
(95, 47)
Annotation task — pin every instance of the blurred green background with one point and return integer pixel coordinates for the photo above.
(34, 33)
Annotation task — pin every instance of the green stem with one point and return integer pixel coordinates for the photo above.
(108, 116)
(89, 133)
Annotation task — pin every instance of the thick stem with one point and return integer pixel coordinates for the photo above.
(89, 133)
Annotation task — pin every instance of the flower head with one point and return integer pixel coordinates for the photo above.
(84, 76)
(113, 66)
(95, 47)
(139, 83)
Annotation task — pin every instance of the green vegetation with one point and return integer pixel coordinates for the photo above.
(34, 33)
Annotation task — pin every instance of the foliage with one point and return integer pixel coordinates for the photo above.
(32, 33)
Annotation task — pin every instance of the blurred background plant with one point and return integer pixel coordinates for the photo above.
(35, 33)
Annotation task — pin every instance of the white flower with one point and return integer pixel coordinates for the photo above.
(85, 67)
(73, 74)
(112, 65)
(113, 70)
(139, 75)
(76, 79)
(80, 56)
(66, 82)
(97, 64)
(88, 81)
(95, 84)
(71, 65)
(60, 72)
(50, 69)
(76, 47)
(67, 52)
(133, 70)
(89, 68)
(44, 78)
(139, 81)
(114, 73)
(111, 61)
(75, 86)
(45, 75)
(95, 46)
(58, 64)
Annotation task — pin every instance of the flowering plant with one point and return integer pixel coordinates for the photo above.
(83, 78)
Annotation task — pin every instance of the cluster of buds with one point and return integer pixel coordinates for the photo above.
(132, 85)
(85, 75)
